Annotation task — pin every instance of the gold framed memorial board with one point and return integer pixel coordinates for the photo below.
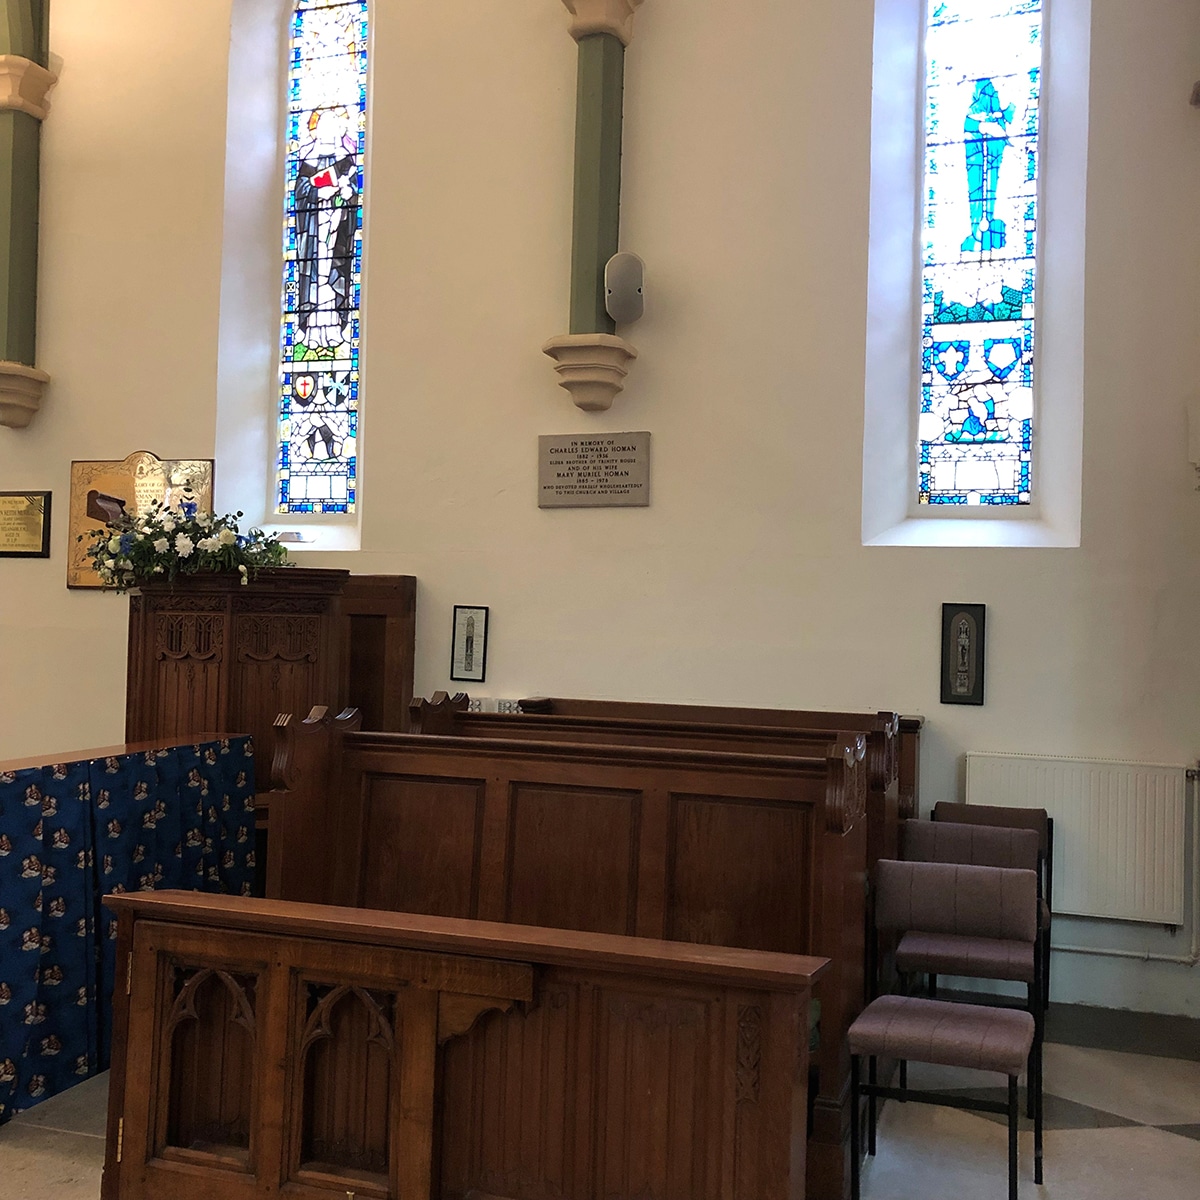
(100, 489)
(24, 524)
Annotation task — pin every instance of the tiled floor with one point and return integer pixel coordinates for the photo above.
(55, 1151)
(1119, 1126)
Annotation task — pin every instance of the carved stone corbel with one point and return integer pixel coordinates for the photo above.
(24, 84)
(602, 16)
(21, 389)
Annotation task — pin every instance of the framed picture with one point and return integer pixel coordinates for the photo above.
(468, 654)
(962, 653)
(24, 524)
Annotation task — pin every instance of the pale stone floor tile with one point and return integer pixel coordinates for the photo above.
(927, 1153)
(1151, 1091)
(48, 1164)
(81, 1109)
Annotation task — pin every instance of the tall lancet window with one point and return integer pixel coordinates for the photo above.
(979, 246)
(319, 363)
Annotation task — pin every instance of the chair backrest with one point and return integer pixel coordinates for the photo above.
(979, 845)
(990, 902)
(1036, 819)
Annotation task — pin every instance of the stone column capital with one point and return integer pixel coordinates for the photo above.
(24, 84)
(602, 16)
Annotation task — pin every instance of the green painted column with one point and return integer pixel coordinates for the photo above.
(597, 229)
(592, 361)
(24, 81)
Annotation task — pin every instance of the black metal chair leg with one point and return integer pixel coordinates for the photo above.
(871, 1110)
(1031, 1069)
(933, 987)
(855, 1151)
(1012, 1137)
(1038, 1120)
(903, 1076)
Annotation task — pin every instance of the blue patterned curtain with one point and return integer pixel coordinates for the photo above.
(181, 817)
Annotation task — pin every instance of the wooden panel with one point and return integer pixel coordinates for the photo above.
(368, 648)
(740, 873)
(645, 1069)
(187, 696)
(211, 1064)
(421, 845)
(658, 1057)
(509, 1104)
(349, 1047)
(573, 858)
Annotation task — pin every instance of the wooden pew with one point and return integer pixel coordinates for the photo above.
(747, 731)
(269, 1048)
(739, 730)
(754, 850)
(893, 748)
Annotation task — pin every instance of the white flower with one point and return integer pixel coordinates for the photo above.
(157, 571)
(110, 563)
(167, 524)
(114, 544)
(160, 545)
(209, 543)
(183, 545)
(227, 537)
(204, 520)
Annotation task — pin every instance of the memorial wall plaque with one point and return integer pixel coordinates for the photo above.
(594, 470)
(102, 490)
(24, 524)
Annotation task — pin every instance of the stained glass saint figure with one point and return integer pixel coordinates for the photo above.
(986, 129)
(979, 251)
(319, 369)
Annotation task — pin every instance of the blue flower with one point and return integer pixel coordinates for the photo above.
(126, 542)
(189, 508)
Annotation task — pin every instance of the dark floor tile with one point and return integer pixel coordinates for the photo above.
(1187, 1131)
(1057, 1112)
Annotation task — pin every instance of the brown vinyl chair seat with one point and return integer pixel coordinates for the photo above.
(952, 1035)
(960, 954)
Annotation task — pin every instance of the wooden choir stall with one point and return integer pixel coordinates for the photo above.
(271, 1048)
(751, 830)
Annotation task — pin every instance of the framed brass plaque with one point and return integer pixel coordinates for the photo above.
(24, 524)
(103, 490)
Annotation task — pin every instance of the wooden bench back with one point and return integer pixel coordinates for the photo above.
(656, 842)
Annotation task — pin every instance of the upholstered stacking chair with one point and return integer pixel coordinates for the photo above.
(976, 845)
(953, 1035)
(948, 915)
(1042, 824)
(981, 922)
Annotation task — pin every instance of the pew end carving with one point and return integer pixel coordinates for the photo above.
(302, 761)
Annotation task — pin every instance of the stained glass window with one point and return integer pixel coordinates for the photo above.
(979, 250)
(319, 363)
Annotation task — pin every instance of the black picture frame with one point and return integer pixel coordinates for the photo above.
(468, 643)
(11, 514)
(964, 641)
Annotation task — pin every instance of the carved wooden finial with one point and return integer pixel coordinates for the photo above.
(438, 713)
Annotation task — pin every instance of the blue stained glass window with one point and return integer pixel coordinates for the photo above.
(322, 271)
(983, 74)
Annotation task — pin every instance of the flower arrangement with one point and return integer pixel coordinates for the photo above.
(167, 541)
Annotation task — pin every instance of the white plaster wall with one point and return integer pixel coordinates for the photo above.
(747, 152)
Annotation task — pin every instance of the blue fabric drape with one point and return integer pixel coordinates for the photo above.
(181, 817)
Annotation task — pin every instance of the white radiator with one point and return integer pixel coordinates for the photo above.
(1118, 829)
